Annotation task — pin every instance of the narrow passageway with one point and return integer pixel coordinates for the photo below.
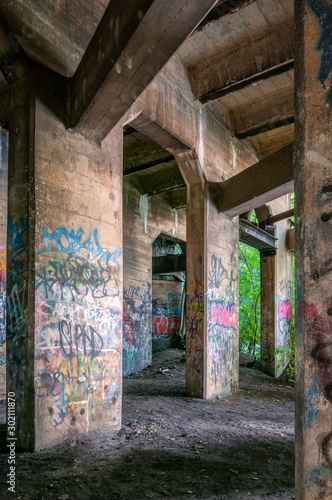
(171, 446)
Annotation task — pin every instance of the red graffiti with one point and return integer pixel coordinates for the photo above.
(285, 309)
(162, 326)
(224, 315)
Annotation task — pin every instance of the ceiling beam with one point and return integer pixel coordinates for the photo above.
(166, 189)
(129, 48)
(169, 264)
(259, 58)
(148, 166)
(13, 61)
(259, 184)
(223, 8)
(271, 112)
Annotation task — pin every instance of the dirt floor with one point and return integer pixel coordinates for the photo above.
(171, 446)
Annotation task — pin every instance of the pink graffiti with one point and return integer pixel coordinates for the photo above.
(224, 315)
(285, 309)
(162, 326)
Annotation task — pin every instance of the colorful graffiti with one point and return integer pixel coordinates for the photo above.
(165, 327)
(78, 330)
(222, 326)
(17, 305)
(2, 306)
(137, 341)
(223, 314)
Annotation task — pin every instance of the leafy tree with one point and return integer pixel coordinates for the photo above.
(249, 317)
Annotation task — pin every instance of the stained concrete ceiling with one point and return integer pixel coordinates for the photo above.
(257, 93)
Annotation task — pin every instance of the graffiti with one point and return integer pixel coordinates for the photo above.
(284, 316)
(2, 300)
(16, 235)
(165, 326)
(83, 338)
(218, 273)
(223, 315)
(69, 242)
(136, 329)
(323, 12)
(285, 287)
(78, 325)
(76, 276)
(174, 296)
(162, 246)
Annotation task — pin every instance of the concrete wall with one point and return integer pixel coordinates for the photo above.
(3, 261)
(144, 219)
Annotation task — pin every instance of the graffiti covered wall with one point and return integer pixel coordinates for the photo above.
(3, 260)
(166, 308)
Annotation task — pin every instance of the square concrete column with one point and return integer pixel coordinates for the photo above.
(313, 248)
(212, 289)
(64, 289)
(276, 297)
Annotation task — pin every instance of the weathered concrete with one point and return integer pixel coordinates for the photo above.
(64, 276)
(313, 249)
(3, 252)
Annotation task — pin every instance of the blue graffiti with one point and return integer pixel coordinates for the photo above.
(17, 247)
(321, 9)
(68, 241)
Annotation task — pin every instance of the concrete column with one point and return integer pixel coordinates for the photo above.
(276, 297)
(3, 253)
(313, 249)
(64, 290)
(268, 312)
(212, 289)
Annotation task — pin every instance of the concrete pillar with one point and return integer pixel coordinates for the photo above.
(212, 289)
(3, 253)
(276, 297)
(64, 290)
(313, 249)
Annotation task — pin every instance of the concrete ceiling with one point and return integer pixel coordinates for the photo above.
(232, 43)
(54, 33)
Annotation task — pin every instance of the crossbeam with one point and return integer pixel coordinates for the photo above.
(169, 264)
(255, 237)
(259, 184)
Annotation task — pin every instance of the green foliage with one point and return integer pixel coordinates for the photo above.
(249, 317)
(282, 351)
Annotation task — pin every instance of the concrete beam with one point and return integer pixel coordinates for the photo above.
(169, 264)
(259, 184)
(271, 112)
(128, 49)
(222, 8)
(267, 55)
(13, 61)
